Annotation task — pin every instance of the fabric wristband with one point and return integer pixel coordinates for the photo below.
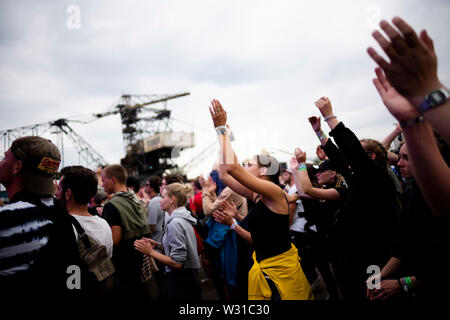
(221, 130)
(302, 167)
(328, 118)
(233, 226)
(321, 135)
(409, 282)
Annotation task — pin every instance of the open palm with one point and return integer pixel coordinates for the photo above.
(397, 104)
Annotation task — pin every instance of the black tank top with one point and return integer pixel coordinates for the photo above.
(269, 230)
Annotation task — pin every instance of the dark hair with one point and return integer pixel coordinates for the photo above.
(312, 174)
(154, 183)
(173, 178)
(133, 183)
(272, 165)
(81, 181)
(197, 184)
(100, 196)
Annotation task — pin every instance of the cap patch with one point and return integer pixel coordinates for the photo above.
(48, 165)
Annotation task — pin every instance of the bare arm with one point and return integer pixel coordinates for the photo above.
(430, 170)
(412, 70)
(235, 185)
(391, 136)
(145, 246)
(392, 157)
(270, 191)
(227, 219)
(301, 179)
(166, 260)
(116, 234)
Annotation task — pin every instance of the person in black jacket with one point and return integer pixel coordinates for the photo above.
(364, 230)
(418, 268)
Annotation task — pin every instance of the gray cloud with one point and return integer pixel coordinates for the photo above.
(267, 61)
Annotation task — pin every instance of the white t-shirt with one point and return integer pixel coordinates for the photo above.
(298, 224)
(98, 229)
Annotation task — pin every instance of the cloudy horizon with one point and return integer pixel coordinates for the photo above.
(266, 61)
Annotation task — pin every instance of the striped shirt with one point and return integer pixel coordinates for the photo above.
(24, 233)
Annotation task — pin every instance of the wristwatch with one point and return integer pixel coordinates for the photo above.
(434, 99)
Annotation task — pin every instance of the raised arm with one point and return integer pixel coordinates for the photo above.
(412, 71)
(303, 182)
(346, 140)
(231, 164)
(392, 157)
(234, 184)
(430, 170)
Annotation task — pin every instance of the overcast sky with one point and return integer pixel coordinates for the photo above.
(266, 61)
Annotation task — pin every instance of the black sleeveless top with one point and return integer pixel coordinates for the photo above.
(269, 230)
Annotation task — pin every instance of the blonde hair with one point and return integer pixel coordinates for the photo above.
(178, 191)
(189, 190)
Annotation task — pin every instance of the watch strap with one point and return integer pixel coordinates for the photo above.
(429, 102)
(410, 122)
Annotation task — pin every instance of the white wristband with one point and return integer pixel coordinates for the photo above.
(221, 130)
(328, 118)
(233, 226)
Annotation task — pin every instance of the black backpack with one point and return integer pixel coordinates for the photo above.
(97, 268)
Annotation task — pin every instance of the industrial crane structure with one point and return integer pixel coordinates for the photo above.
(149, 142)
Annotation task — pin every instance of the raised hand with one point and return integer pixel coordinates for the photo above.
(208, 186)
(294, 164)
(397, 104)
(320, 153)
(412, 70)
(300, 155)
(315, 123)
(324, 106)
(218, 113)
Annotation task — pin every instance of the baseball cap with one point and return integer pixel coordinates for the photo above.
(326, 165)
(40, 161)
(287, 170)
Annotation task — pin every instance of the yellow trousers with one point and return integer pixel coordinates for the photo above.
(287, 274)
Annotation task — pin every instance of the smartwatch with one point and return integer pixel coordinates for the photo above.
(434, 99)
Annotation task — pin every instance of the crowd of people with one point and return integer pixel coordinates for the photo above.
(259, 232)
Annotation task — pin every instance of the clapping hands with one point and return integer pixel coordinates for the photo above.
(229, 211)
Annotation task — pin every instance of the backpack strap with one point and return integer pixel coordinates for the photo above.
(81, 232)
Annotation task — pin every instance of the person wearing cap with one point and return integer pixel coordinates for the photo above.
(320, 213)
(37, 243)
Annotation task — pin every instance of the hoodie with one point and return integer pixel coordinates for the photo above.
(132, 213)
(179, 239)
